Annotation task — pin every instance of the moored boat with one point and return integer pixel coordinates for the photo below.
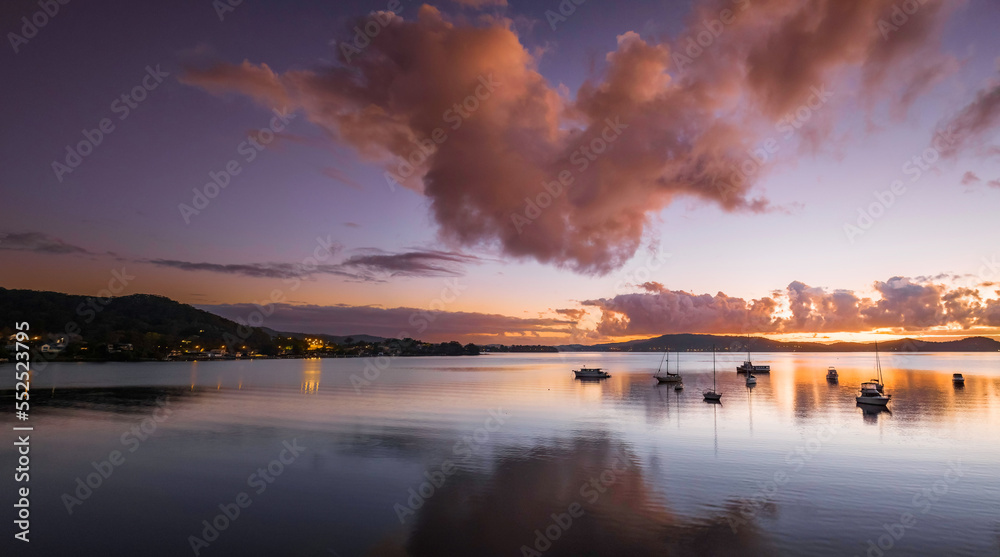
(958, 379)
(668, 377)
(873, 392)
(591, 373)
(870, 394)
(749, 367)
(712, 395)
(831, 374)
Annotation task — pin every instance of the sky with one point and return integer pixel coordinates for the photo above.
(516, 172)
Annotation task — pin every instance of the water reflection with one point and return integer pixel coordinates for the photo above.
(870, 413)
(311, 374)
(693, 466)
(525, 501)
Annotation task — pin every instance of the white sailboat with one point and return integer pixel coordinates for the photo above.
(712, 395)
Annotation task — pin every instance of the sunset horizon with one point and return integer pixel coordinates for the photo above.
(475, 248)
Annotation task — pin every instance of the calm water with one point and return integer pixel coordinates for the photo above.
(627, 467)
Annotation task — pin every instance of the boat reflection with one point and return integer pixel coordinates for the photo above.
(870, 412)
(620, 512)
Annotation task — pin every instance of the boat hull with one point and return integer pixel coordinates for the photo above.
(756, 369)
(668, 378)
(591, 375)
(713, 397)
(873, 400)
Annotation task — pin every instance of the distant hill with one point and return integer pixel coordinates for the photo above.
(153, 325)
(723, 343)
(149, 327)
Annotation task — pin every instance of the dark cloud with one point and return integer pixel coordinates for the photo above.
(255, 270)
(38, 243)
(378, 265)
(649, 128)
(375, 265)
(975, 123)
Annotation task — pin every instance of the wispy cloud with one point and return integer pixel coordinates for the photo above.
(37, 242)
(378, 265)
(372, 266)
(391, 322)
(975, 123)
(255, 270)
(970, 178)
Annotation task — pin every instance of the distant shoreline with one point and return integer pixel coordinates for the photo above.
(568, 352)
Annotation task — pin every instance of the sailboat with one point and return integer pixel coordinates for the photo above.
(668, 377)
(873, 391)
(711, 395)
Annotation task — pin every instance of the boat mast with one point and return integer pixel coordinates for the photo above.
(878, 364)
(660, 367)
(713, 368)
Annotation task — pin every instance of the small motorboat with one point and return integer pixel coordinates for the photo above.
(957, 379)
(679, 387)
(591, 373)
(870, 394)
(751, 379)
(831, 375)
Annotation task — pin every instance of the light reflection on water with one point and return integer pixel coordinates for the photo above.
(792, 466)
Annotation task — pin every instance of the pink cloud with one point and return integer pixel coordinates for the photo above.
(902, 303)
(458, 112)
